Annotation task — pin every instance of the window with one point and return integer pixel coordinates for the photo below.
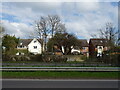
(101, 41)
(83, 48)
(100, 47)
(20, 43)
(34, 41)
(35, 47)
(21, 46)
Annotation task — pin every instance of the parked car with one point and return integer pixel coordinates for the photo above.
(75, 51)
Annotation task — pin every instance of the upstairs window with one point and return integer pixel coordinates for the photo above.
(35, 47)
(83, 48)
(101, 41)
(35, 41)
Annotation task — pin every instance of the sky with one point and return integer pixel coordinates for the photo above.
(80, 18)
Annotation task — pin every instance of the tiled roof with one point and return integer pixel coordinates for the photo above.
(25, 42)
(99, 41)
(83, 43)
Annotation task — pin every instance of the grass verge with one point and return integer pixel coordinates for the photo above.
(57, 75)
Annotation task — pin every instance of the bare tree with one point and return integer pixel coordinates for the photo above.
(54, 21)
(49, 26)
(93, 35)
(43, 30)
(2, 29)
(109, 33)
(38, 29)
(61, 28)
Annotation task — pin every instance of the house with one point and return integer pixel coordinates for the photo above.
(34, 46)
(84, 46)
(57, 50)
(97, 46)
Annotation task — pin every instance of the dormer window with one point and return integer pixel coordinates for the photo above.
(20, 43)
(83, 48)
(101, 41)
(100, 47)
(35, 41)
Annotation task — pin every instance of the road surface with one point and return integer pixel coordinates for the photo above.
(58, 83)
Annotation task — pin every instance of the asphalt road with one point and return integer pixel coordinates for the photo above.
(58, 83)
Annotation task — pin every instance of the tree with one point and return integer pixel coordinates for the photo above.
(10, 42)
(48, 26)
(53, 21)
(109, 33)
(1, 29)
(61, 28)
(43, 29)
(63, 40)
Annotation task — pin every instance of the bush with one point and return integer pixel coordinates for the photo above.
(59, 58)
(40, 58)
(37, 57)
(111, 59)
(21, 58)
(54, 58)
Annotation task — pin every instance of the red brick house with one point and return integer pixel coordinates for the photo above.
(84, 46)
(97, 46)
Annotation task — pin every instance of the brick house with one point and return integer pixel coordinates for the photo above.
(84, 46)
(97, 46)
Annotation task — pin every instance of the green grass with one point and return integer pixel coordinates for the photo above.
(71, 75)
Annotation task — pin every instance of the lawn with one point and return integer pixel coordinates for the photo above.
(67, 75)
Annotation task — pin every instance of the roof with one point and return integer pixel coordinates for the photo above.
(25, 42)
(83, 43)
(99, 41)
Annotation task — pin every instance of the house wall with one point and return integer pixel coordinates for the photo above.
(84, 50)
(104, 49)
(32, 45)
(91, 49)
(25, 47)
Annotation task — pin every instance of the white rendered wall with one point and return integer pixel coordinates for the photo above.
(32, 49)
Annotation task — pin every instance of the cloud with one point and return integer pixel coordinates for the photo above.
(87, 6)
(29, 11)
(18, 29)
(81, 18)
(90, 19)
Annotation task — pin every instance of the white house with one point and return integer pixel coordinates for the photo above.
(32, 45)
(99, 50)
(35, 46)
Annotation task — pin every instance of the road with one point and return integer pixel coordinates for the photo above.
(59, 83)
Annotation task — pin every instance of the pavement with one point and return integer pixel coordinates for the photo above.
(59, 69)
(59, 83)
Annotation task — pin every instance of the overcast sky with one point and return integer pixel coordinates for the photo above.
(80, 18)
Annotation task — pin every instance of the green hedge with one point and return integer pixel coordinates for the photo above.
(40, 58)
